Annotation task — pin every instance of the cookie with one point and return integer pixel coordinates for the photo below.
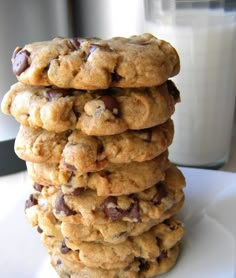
(115, 179)
(115, 231)
(40, 214)
(83, 206)
(102, 112)
(93, 63)
(140, 268)
(148, 246)
(89, 153)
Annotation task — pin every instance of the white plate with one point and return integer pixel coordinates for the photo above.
(209, 246)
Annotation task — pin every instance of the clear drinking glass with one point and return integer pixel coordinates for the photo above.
(204, 34)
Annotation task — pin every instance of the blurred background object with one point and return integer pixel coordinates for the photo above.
(204, 34)
(23, 22)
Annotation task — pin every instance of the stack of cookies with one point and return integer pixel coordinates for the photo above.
(95, 130)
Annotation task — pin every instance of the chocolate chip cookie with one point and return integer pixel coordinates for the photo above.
(83, 206)
(101, 112)
(41, 215)
(115, 179)
(93, 63)
(90, 153)
(149, 246)
(140, 268)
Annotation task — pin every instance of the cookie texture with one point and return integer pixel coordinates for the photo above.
(148, 246)
(90, 153)
(115, 179)
(83, 206)
(41, 214)
(101, 112)
(93, 63)
(140, 268)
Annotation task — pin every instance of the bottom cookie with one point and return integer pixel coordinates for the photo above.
(139, 268)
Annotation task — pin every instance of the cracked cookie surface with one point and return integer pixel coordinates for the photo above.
(115, 179)
(90, 153)
(101, 112)
(93, 63)
(150, 245)
(83, 206)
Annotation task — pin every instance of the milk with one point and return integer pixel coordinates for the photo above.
(204, 118)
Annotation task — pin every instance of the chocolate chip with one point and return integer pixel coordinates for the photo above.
(76, 42)
(133, 212)
(110, 208)
(173, 90)
(64, 249)
(18, 49)
(143, 264)
(21, 62)
(111, 103)
(38, 187)
(57, 93)
(39, 230)
(59, 262)
(115, 77)
(162, 256)
(70, 167)
(161, 193)
(61, 206)
(78, 191)
(31, 202)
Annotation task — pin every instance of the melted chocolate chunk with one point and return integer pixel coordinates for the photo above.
(111, 103)
(64, 249)
(78, 191)
(143, 264)
(21, 62)
(18, 49)
(110, 208)
(38, 187)
(173, 90)
(70, 167)
(161, 193)
(76, 42)
(133, 211)
(61, 206)
(31, 202)
(39, 230)
(56, 93)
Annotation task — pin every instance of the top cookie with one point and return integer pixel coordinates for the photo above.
(93, 63)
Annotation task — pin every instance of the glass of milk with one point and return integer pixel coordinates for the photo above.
(204, 34)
